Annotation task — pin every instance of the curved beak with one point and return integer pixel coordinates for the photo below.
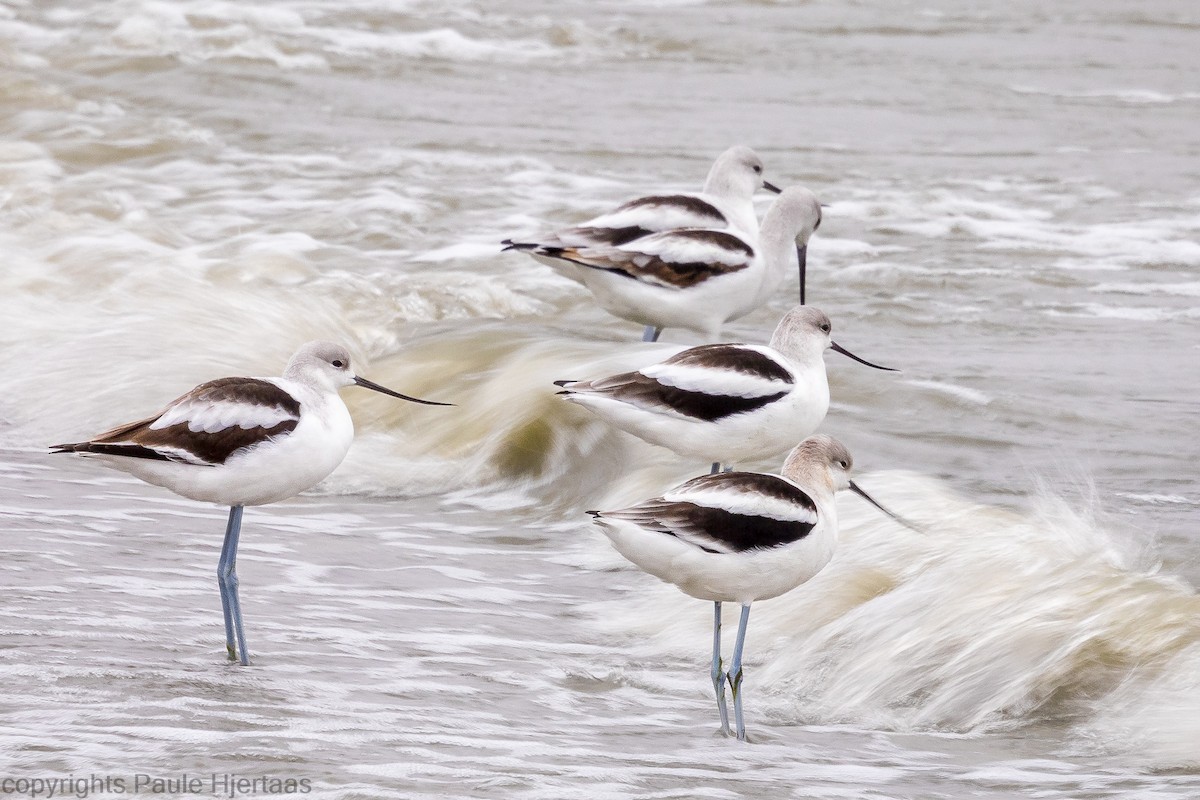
(375, 387)
(837, 348)
(770, 187)
(854, 487)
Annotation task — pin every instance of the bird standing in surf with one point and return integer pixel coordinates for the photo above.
(725, 403)
(724, 204)
(243, 442)
(740, 537)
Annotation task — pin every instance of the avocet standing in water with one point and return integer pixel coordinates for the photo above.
(243, 442)
(725, 403)
(697, 278)
(725, 204)
(739, 537)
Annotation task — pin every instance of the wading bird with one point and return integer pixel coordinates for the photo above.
(739, 537)
(243, 442)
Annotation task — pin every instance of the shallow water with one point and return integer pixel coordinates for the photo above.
(193, 189)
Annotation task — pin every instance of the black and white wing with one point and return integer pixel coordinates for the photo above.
(203, 427)
(708, 382)
(676, 259)
(729, 512)
(633, 220)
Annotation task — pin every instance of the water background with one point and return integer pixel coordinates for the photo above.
(193, 189)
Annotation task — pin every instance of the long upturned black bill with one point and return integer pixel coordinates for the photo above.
(366, 384)
(770, 187)
(837, 348)
(802, 257)
(854, 487)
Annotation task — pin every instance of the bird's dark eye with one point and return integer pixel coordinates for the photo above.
(757, 169)
(825, 327)
(337, 362)
(843, 464)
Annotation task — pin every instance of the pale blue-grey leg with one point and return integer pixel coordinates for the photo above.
(227, 581)
(718, 674)
(735, 674)
(716, 467)
(651, 333)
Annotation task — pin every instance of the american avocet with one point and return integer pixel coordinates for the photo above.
(725, 403)
(725, 203)
(243, 442)
(697, 278)
(740, 537)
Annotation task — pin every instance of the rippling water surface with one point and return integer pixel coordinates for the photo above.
(192, 189)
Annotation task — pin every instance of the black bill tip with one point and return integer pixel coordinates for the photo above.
(375, 387)
(854, 487)
(770, 187)
(837, 348)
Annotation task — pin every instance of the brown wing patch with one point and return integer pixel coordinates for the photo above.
(212, 448)
(250, 391)
(734, 358)
(612, 237)
(675, 274)
(139, 440)
(692, 205)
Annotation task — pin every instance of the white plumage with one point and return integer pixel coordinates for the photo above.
(725, 202)
(635, 243)
(697, 278)
(725, 403)
(739, 537)
(240, 442)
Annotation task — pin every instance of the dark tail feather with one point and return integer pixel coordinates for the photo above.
(128, 450)
(509, 244)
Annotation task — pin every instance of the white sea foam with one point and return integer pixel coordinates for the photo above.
(293, 36)
(982, 622)
(1123, 96)
(1186, 289)
(1002, 225)
(960, 393)
(1132, 313)
(1157, 499)
(191, 189)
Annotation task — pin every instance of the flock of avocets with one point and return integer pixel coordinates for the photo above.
(687, 260)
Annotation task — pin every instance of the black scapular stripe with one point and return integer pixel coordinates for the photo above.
(742, 532)
(709, 407)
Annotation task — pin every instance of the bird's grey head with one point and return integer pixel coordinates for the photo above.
(832, 451)
(821, 457)
(321, 362)
(825, 459)
(738, 172)
(798, 212)
(804, 332)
